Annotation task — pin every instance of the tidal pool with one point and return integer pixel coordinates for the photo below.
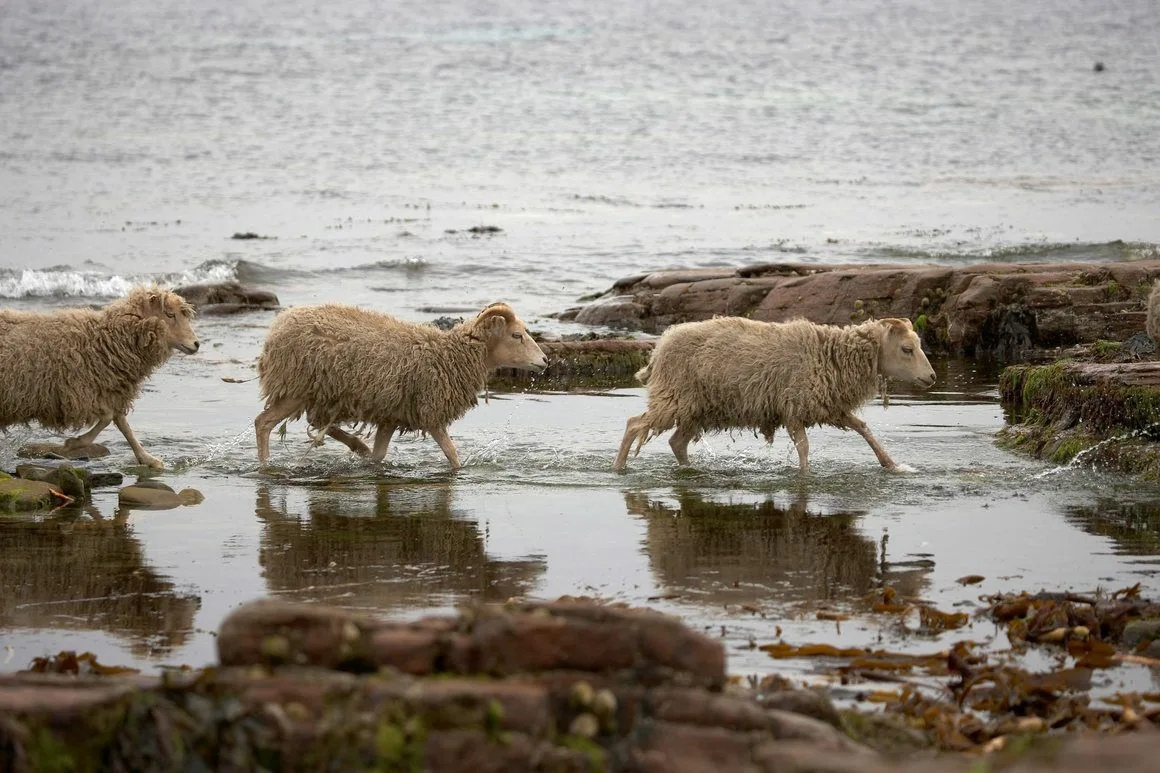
(738, 545)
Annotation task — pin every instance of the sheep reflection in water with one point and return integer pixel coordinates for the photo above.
(726, 551)
(381, 546)
(88, 572)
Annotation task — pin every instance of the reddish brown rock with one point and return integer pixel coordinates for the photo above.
(565, 635)
(550, 717)
(999, 308)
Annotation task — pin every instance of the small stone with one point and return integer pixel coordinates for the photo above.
(155, 495)
(604, 705)
(190, 496)
(584, 725)
(102, 479)
(1139, 631)
(581, 695)
(275, 649)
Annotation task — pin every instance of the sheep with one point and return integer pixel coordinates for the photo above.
(74, 367)
(344, 365)
(734, 373)
(1152, 323)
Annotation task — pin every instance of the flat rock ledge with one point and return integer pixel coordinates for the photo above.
(226, 298)
(562, 686)
(988, 309)
(1104, 414)
(580, 365)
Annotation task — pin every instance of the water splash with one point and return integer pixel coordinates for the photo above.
(1078, 459)
(213, 452)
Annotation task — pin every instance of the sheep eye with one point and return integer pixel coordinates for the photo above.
(908, 350)
(171, 315)
(518, 336)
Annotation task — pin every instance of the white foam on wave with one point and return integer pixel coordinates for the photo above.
(67, 283)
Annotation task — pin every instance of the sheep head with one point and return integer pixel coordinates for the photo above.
(175, 315)
(900, 354)
(508, 342)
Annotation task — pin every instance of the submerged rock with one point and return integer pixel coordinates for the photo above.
(154, 495)
(221, 298)
(58, 451)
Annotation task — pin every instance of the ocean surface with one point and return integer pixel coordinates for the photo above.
(583, 142)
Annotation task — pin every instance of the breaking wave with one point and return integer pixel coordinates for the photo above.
(1039, 252)
(67, 282)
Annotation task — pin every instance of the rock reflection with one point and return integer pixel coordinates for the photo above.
(736, 551)
(1134, 527)
(382, 546)
(79, 570)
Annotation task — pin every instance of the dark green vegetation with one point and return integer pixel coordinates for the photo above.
(1105, 414)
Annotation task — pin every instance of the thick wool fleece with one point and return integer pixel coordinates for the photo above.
(75, 367)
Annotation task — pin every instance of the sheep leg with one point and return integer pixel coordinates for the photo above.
(349, 440)
(859, 426)
(801, 442)
(679, 442)
(382, 441)
(268, 419)
(86, 439)
(634, 428)
(143, 456)
(445, 443)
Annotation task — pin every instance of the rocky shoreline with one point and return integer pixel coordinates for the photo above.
(570, 685)
(989, 309)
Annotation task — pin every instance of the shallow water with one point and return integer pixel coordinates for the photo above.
(738, 544)
(604, 139)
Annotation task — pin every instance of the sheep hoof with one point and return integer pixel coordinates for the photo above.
(149, 460)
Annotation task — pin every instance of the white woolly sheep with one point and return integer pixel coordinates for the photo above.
(344, 365)
(1152, 323)
(74, 367)
(734, 373)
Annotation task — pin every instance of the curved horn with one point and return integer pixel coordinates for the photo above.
(499, 309)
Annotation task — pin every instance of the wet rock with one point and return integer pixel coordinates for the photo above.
(76, 482)
(526, 638)
(1140, 632)
(446, 323)
(592, 364)
(221, 298)
(258, 714)
(58, 451)
(810, 703)
(17, 494)
(1069, 408)
(152, 495)
(105, 479)
(1002, 309)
